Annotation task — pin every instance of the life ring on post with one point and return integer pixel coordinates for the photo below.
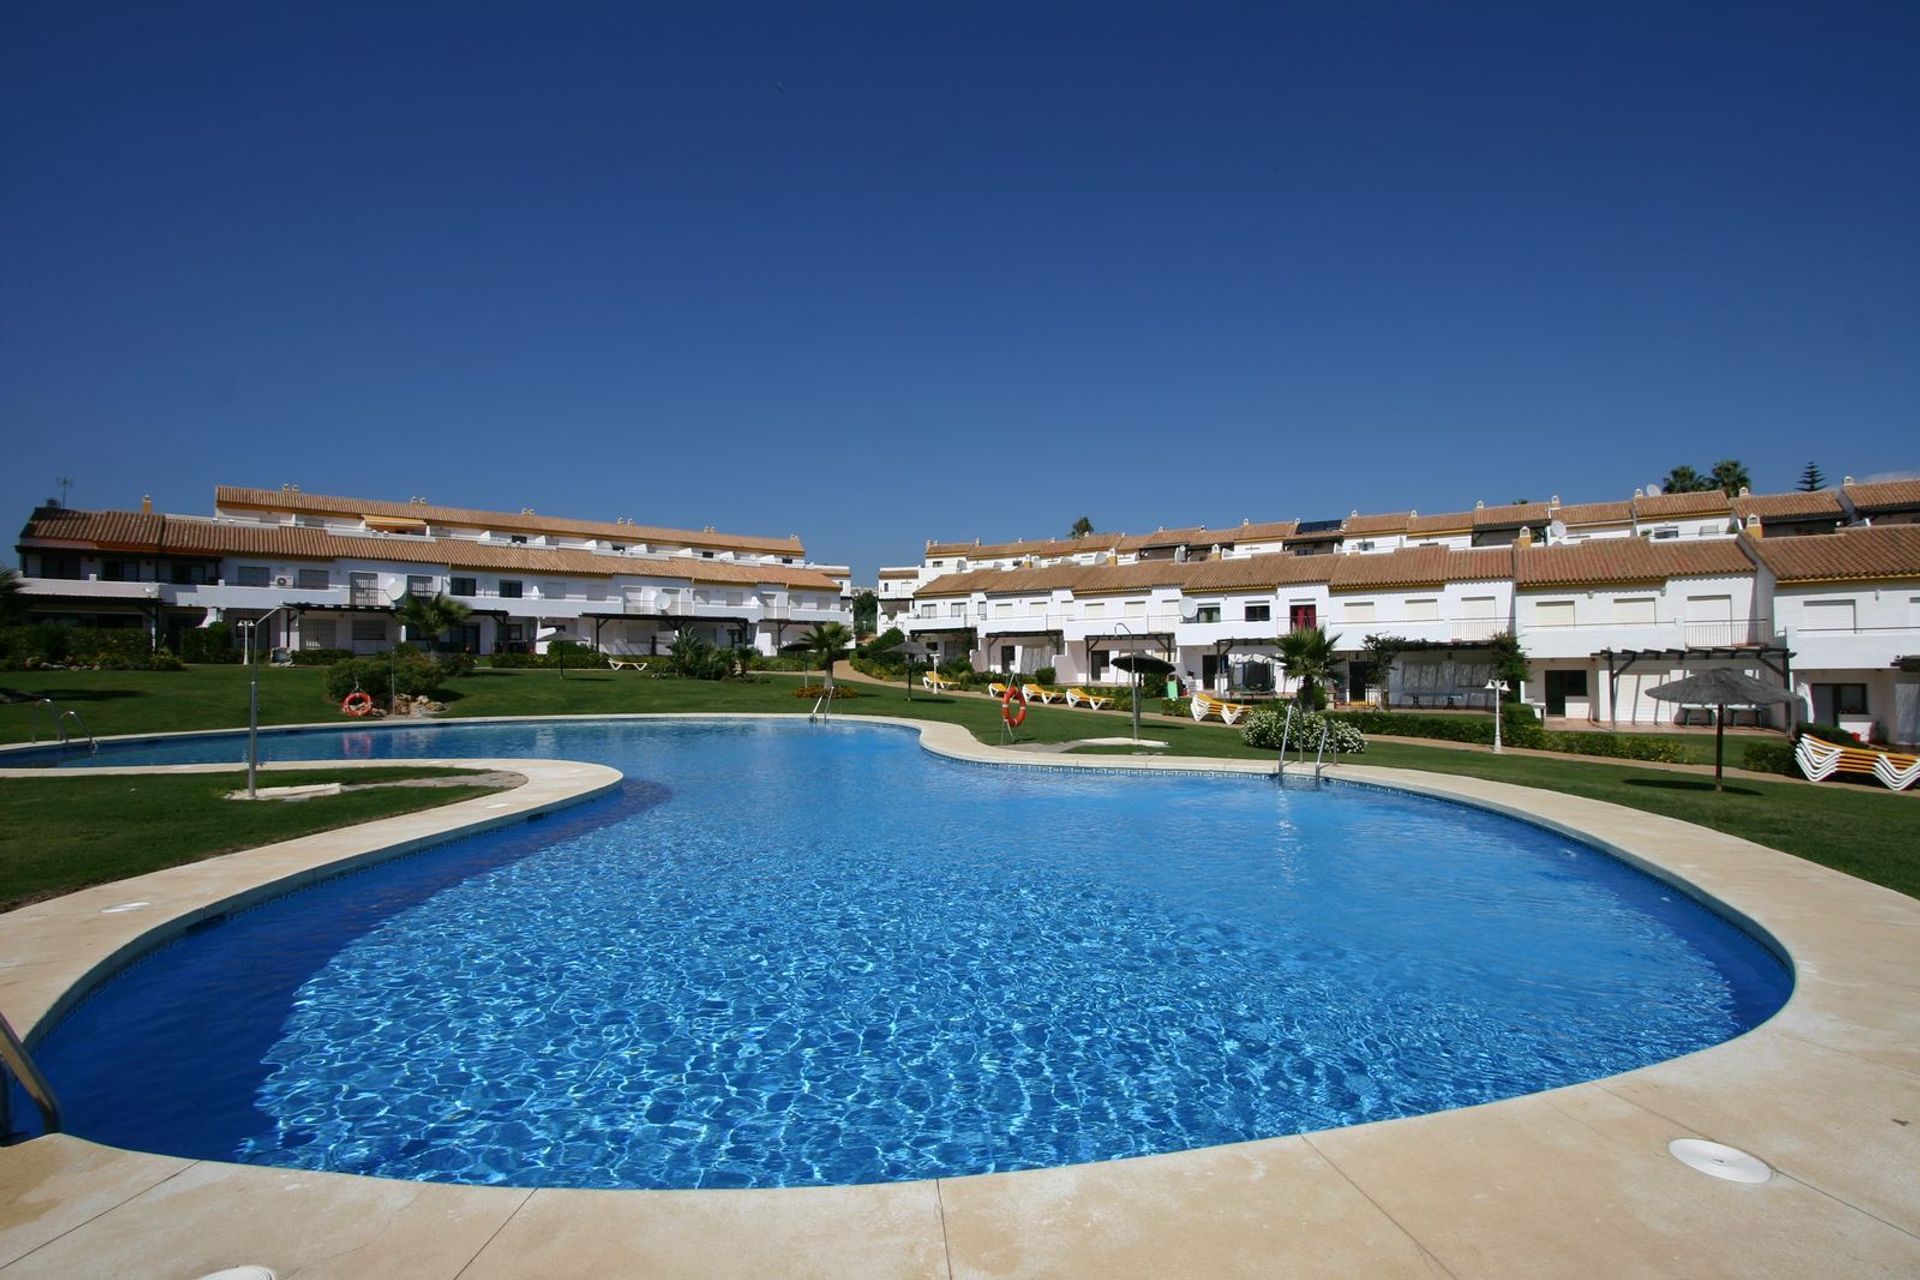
(357, 703)
(1014, 716)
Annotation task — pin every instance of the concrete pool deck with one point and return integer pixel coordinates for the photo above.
(1572, 1182)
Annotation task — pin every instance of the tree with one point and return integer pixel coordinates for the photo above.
(1811, 479)
(1730, 477)
(1684, 479)
(13, 600)
(1307, 654)
(431, 617)
(1081, 528)
(1382, 652)
(1509, 663)
(866, 612)
(827, 641)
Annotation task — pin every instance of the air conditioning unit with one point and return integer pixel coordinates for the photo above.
(282, 582)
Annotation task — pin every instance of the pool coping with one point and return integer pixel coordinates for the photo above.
(1574, 1181)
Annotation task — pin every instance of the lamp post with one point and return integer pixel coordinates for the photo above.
(1498, 686)
(253, 696)
(1134, 672)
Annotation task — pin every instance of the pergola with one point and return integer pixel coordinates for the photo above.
(1774, 658)
(1161, 640)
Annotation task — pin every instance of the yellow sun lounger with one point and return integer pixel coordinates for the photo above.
(937, 682)
(1077, 695)
(1036, 694)
(1226, 712)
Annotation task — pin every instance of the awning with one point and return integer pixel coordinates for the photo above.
(409, 524)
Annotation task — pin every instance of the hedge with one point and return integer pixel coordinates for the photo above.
(1770, 757)
(411, 675)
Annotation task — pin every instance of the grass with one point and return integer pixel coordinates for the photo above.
(70, 830)
(1863, 831)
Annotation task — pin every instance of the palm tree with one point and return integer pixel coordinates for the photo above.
(13, 601)
(1730, 477)
(1684, 479)
(431, 617)
(827, 640)
(1307, 654)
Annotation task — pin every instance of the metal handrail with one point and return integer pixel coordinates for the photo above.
(1326, 727)
(57, 718)
(20, 1063)
(93, 748)
(1285, 730)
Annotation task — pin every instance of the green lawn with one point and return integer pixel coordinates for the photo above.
(1862, 830)
(71, 830)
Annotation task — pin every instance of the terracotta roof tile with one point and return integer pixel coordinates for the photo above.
(1191, 536)
(1665, 506)
(1882, 552)
(1603, 560)
(1256, 572)
(1042, 548)
(1789, 506)
(182, 535)
(1361, 526)
(999, 581)
(1885, 495)
(236, 496)
(1590, 513)
(107, 530)
(1510, 515)
(1252, 531)
(1421, 567)
(1446, 522)
(1104, 579)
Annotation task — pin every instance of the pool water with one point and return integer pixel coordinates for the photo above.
(785, 955)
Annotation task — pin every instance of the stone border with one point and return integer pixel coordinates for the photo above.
(1574, 1181)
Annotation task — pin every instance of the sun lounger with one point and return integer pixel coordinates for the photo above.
(1035, 693)
(997, 690)
(1821, 760)
(1225, 712)
(1077, 695)
(625, 664)
(937, 682)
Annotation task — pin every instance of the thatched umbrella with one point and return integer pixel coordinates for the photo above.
(1720, 688)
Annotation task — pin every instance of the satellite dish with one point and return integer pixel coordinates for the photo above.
(1653, 491)
(1556, 531)
(1188, 612)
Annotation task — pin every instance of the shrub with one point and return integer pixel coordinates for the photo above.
(960, 668)
(1263, 729)
(1826, 733)
(838, 693)
(210, 644)
(1043, 675)
(453, 665)
(514, 661)
(695, 659)
(320, 657)
(1616, 746)
(410, 674)
(1180, 707)
(1770, 757)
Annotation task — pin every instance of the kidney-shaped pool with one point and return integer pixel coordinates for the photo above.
(784, 955)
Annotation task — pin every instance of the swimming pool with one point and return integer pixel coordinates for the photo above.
(785, 955)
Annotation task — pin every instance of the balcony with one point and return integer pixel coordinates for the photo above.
(1586, 639)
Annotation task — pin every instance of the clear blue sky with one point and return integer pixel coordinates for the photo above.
(880, 273)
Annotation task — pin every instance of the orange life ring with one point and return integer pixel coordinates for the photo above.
(1014, 718)
(357, 703)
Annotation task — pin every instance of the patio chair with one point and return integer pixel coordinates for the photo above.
(1077, 695)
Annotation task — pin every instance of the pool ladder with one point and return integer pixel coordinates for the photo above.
(1319, 755)
(822, 707)
(15, 1061)
(58, 728)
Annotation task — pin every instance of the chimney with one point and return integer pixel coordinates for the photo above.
(1480, 504)
(1639, 493)
(1753, 528)
(1526, 537)
(1846, 480)
(1745, 492)
(146, 504)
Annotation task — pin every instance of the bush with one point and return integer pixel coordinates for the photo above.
(1263, 729)
(839, 692)
(515, 661)
(320, 657)
(1770, 757)
(1826, 733)
(453, 665)
(1043, 675)
(210, 645)
(1180, 707)
(56, 644)
(410, 674)
(1615, 746)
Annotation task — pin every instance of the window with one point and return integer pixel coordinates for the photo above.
(1302, 617)
(187, 574)
(619, 546)
(926, 609)
(1365, 544)
(1136, 608)
(1664, 532)
(1634, 611)
(1423, 610)
(1207, 613)
(1843, 699)
(120, 570)
(1094, 609)
(1003, 608)
(315, 580)
(1553, 613)
(958, 609)
(461, 586)
(419, 584)
(254, 575)
(1098, 660)
(1259, 613)
(317, 634)
(518, 539)
(369, 630)
(1479, 608)
(1359, 611)
(1826, 615)
(511, 589)
(513, 632)
(706, 555)
(64, 567)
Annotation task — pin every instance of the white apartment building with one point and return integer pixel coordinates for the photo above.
(329, 572)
